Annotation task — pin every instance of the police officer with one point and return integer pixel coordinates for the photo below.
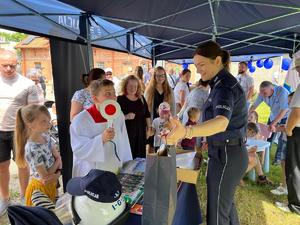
(224, 125)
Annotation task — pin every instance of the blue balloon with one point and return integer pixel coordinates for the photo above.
(286, 62)
(268, 63)
(249, 64)
(252, 69)
(259, 63)
(185, 66)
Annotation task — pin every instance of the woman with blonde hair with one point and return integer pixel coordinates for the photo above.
(35, 148)
(137, 115)
(158, 91)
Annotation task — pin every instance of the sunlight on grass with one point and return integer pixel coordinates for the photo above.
(255, 204)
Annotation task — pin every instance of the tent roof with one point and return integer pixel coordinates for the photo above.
(52, 18)
(178, 26)
(173, 27)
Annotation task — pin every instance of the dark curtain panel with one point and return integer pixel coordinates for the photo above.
(69, 61)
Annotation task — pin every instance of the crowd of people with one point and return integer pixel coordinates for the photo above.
(216, 111)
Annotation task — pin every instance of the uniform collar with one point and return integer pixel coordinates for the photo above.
(96, 115)
(220, 76)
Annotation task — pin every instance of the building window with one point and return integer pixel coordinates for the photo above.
(37, 65)
(100, 65)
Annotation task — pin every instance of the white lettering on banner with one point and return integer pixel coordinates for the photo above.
(73, 23)
(223, 107)
(68, 21)
(92, 194)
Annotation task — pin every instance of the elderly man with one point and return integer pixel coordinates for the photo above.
(15, 92)
(276, 97)
(246, 81)
(292, 161)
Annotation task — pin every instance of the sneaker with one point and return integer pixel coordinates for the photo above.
(22, 200)
(279, 191)
(3, 207)
(263, 180)
(283, 206)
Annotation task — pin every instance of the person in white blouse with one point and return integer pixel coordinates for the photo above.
(181, 90)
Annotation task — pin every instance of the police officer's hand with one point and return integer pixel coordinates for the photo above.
(108, 134)
(272, 127)
(177, 132)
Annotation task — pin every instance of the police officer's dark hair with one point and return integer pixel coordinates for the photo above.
(253, 127)
(243, 62)
(211, 50)
(265, 84)
(203, 83)
(291, 94)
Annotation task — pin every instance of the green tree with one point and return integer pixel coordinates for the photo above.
(16, 37)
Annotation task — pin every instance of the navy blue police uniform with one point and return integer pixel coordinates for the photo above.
(228, 157)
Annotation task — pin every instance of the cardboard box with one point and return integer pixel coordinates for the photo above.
(186, 175)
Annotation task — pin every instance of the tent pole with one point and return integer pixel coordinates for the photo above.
(215, 31)
(294, 46)
(89, 42)
(153, 57)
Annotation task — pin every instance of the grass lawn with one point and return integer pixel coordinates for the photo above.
(255, 204)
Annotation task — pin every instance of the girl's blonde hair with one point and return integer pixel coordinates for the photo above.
(26, 114)
(125, 82)
(168, 97)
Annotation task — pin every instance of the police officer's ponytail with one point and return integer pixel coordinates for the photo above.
(211, 50)
(226, 59)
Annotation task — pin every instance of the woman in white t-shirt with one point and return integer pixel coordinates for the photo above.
(181, 89)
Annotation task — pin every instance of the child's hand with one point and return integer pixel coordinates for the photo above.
(50, 178)
(108, 134)
(280, 128)
(129, 116)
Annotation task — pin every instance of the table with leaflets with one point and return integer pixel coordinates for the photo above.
(132, 179)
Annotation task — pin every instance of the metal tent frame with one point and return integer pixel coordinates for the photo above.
(215, 31)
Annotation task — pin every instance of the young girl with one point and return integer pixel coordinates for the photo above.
(159, 123)
(194, 115)
(254, 162)
(34, 146)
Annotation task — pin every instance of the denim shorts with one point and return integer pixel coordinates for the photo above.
(284, 150)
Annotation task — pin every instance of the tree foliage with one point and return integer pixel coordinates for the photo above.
(16, 37)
